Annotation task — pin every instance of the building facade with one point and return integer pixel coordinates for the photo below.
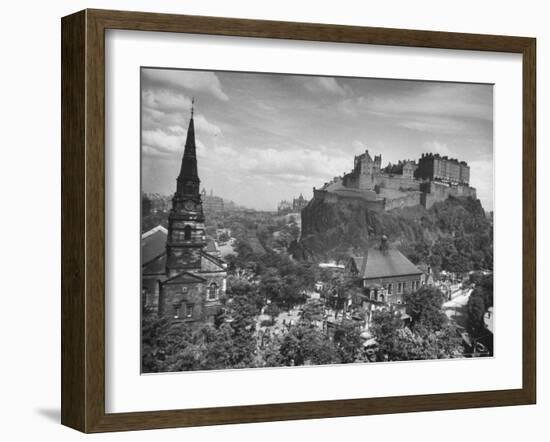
(435, 167)
(212, 203)
(383, 276)
(365, 170)
(184, 281)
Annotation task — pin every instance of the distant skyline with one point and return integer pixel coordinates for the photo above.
(263, 138)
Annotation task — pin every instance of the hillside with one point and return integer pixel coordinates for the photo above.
(453, 235)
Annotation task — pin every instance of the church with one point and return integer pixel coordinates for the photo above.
(179, 276)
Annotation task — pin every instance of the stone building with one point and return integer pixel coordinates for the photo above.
(284, 207)
(299, 203)
(435, 167)
(179, 276)
(382, 276)
(409, 168)
(405, 184)
(384, 273)
(365, 170)
(212, 203)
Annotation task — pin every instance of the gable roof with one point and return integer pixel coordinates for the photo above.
(184, 277)
(211, 263)
(153, 244)
(383, 264)
(156, 266)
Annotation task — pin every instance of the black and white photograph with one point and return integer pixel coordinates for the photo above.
(298, 220)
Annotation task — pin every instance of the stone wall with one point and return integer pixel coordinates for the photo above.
(396, 296)
(396, 182)
(436, 191)
(409, 199)
(189, 302)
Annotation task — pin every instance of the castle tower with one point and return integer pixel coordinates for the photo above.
(186, 233)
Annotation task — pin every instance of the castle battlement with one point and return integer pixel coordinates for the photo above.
(408, 183)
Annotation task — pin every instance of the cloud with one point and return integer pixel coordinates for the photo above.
(482, 178)
(166, 110)
(326, 84)
(165, 100)
(438, 147)
(197, 81)
(165, 119)
(426, 106)
(432, 125)
(283, 134)
(291, 164)
(161, 141)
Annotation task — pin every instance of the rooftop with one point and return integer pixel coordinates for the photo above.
(153, 243)
(384, 263)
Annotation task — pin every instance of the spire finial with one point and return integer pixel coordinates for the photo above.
(192, 106)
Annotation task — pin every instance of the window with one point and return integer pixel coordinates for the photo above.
(390, 288)
(212, 292)
(399, 287)
(184, 290)
(177, 311)
(189, 310)
(187, 233)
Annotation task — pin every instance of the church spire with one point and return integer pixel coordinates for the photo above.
(188, 179)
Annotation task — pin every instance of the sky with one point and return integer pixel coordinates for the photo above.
(262, 138)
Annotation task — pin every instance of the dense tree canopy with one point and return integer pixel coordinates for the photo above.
(479, 303)
(424, 308)
(399, 343)
(305, 345)
(454, 235)
(428, 335)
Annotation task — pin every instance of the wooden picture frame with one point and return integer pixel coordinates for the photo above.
(83, 220)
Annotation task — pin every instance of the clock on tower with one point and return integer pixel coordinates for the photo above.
(186, 232)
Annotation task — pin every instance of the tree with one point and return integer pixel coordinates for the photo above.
(271, 284)
(269, 354)
(347, 340)
(224, 237)
(476, 310)
(243, 312)
(479, 302)
(146, 205)
(242, 287)
(306, 345)
(153, 342)
(399, 343)
(425, 308)
(272, 310)
(384, 327)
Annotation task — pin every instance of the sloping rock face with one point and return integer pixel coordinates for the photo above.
(453, 230)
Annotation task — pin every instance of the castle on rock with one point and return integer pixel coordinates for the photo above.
(408, 183)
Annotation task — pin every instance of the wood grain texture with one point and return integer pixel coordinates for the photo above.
(83, 220)
(73, 212)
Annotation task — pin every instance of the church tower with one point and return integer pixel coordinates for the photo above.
(186, 232)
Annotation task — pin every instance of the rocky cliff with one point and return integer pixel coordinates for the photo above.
(454, 234)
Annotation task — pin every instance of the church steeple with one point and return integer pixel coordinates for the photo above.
(186, 232)
(188, 179)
